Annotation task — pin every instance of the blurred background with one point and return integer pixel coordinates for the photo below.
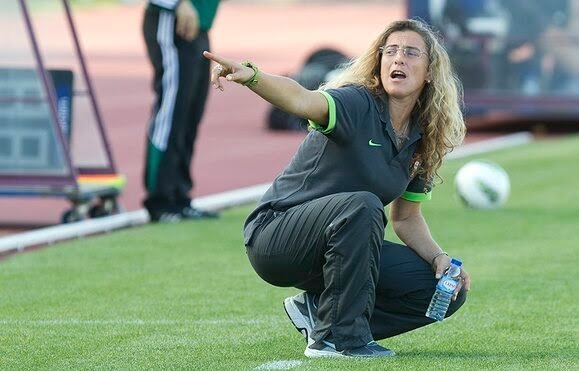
(515, 58)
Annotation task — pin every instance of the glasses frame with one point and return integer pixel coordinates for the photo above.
(404, 50)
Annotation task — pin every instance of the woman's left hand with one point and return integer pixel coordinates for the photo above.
(441, 264)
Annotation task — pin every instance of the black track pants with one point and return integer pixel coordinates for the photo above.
(181, 85)
(333, 246)
(329, 246)
(405, 286)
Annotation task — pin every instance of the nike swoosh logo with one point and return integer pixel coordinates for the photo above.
(372, 144)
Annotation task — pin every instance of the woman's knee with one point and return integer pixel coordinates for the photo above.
(368, 204)
(368, 199)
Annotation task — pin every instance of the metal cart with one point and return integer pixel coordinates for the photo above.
(47, 148)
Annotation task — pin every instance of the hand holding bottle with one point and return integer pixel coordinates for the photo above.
(441, 264)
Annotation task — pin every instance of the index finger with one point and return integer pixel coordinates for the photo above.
(216, 58)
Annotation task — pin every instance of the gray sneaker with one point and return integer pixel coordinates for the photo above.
(327, 349)
(301, 310)
(372, 349)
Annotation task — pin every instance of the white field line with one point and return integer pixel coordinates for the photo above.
(279, 365)
(137, 322)
(218, 201)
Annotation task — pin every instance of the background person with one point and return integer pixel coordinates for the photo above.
(381, 130)
(531, 65)
(175, 33)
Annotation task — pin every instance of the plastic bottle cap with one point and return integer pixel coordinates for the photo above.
(456, 262)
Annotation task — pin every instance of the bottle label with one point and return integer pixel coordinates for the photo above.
(447, 284)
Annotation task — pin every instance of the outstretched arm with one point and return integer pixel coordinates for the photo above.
(280, 91)
(410, 226)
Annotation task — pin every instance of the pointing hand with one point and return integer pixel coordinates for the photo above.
(232, 71)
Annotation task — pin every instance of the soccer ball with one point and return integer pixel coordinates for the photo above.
(482, 184)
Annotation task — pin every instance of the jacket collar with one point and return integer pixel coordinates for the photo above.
(381, 104)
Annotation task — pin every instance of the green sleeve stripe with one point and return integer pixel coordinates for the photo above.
(331, 116)
(417, 197)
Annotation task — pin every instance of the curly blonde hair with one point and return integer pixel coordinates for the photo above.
(439, 106)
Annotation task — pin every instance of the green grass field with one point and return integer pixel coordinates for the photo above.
(185, 297)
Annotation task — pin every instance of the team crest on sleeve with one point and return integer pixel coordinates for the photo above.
(414, 168)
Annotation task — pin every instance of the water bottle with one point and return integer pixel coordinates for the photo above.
(444, 291)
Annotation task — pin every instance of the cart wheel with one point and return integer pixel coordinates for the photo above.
(77, 213)
(98, 211)
(70, 216)
(105, 207)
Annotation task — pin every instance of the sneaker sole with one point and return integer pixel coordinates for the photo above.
(314, 353)
(297, 319)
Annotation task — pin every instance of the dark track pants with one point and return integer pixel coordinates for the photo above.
(333, 246)
(181, 85)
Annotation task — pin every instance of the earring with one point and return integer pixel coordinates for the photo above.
(428, 81)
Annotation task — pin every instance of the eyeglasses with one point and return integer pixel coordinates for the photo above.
(409, 52)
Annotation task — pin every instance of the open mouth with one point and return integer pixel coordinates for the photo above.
(396, 75)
